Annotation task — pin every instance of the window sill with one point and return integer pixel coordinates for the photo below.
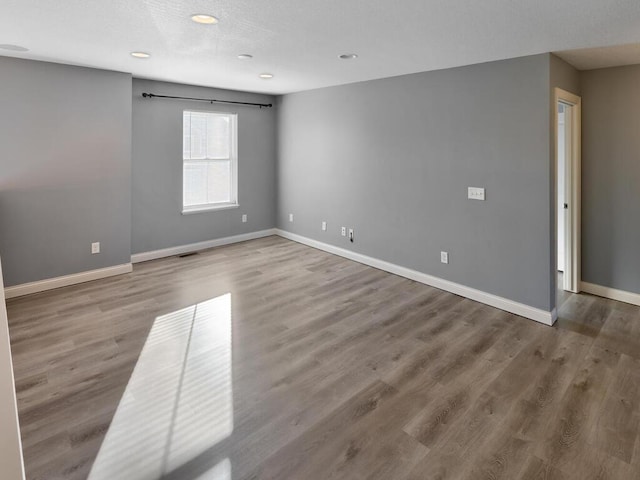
(209, 208)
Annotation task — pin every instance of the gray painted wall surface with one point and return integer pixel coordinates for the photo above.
(611, 177)
(563, 75)
(393, 158)
(65, 169)
(157, 168)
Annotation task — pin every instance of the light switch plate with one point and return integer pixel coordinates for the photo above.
(475, 193)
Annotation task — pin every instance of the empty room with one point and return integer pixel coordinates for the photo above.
(309, 240)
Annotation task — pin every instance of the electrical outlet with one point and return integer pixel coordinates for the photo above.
(324, 226)
(351, 235)
(444, 257)
(95, 248)
(244, 218)
(343, 231)
(291, 217)
(475, 193)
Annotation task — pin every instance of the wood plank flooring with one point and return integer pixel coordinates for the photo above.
(332, 370)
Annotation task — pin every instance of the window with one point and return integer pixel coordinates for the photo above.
(210, 161)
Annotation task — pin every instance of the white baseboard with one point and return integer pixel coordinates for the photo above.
(51, 283)
(194, 247)
(66, 280)
(539, 315)
(612, 293)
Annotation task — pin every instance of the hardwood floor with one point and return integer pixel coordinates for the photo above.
(316, 367)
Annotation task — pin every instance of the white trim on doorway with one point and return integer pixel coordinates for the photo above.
(573, 195)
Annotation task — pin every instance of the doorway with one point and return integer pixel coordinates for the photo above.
(568, 163)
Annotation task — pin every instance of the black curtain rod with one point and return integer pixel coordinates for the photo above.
(210, 100)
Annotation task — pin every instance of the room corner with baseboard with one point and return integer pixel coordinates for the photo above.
(406, 212)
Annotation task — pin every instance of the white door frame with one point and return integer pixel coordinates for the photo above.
(573, 168)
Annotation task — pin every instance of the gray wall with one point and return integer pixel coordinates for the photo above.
(65, 169)
(157, 168)
(393, 158)
(563, 75)
(611, 177)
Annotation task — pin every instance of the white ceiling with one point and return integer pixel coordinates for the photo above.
(603, 57)
(299, 40)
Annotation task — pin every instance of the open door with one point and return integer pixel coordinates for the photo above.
(568, 193)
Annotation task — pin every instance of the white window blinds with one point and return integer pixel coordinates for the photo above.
(209, 160)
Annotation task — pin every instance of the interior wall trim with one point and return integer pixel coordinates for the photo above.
(10, 441)
(75, 278)
(532, 313)
(66, 280)
(539, 315)
(612, 293)
(194, 247)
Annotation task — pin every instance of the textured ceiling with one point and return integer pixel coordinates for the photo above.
(604, 57)
(299, 40)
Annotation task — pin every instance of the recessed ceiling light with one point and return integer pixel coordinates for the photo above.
(140, 54)
(245, 56)
(348, 56)
(204, 19)
(13, 48)
(266, 76)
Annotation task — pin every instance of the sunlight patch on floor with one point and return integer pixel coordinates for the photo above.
(178, 402)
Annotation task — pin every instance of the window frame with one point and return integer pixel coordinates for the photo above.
(233, 159)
